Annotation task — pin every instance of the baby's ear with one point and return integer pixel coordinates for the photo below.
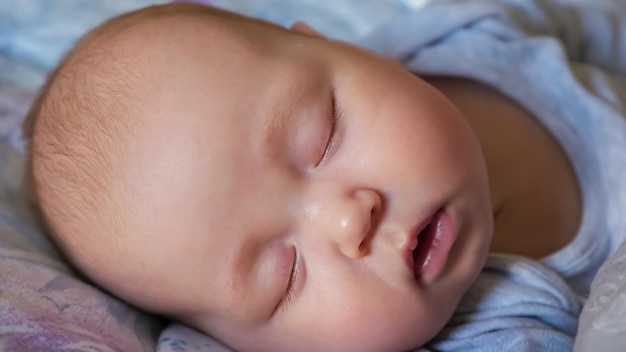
(304, 28)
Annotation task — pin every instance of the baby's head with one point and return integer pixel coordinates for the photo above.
(266, 186)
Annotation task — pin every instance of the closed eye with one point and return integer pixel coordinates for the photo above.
(337, 113)
(289, 291)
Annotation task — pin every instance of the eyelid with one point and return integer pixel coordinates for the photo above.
(293, 278)
(337, 113)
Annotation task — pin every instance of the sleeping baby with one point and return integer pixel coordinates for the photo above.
(281, 191)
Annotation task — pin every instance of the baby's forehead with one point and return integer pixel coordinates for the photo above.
(133, 50)
(132, 75)
(156, 26)
(191, 20)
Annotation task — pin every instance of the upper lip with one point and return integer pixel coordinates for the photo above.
(411, 240)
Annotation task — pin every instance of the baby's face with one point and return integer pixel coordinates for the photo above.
(278, 185)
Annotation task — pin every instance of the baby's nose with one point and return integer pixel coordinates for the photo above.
(349, 220)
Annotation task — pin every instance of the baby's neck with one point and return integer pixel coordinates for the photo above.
(535, 192)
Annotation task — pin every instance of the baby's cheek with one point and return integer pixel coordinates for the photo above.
(353, 317)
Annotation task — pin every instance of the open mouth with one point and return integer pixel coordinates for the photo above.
(422, 254)
(433, 245)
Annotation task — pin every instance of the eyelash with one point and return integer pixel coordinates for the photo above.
(337, 113)
(284, 302)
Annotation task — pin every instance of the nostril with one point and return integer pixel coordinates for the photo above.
(365, 247)
(362, 220)
(376, 214)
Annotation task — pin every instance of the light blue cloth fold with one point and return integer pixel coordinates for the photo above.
(515, 305)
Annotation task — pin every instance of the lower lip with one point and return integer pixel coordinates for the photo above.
(434, 244)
